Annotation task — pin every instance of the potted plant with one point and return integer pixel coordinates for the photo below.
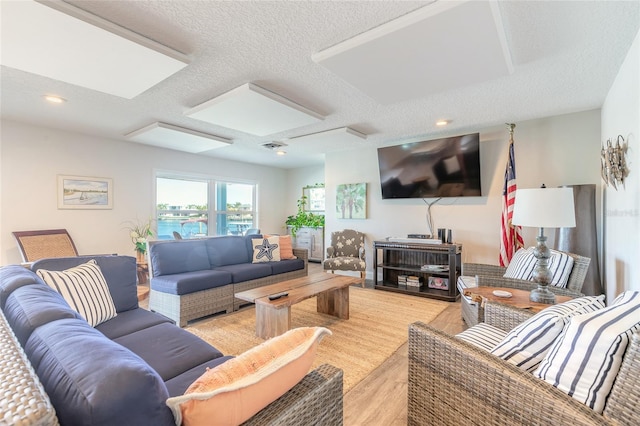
(139, 232)
(304, 218)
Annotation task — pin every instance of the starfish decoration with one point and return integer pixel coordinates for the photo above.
(266, 249)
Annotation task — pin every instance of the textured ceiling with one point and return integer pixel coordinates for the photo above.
(565, 56)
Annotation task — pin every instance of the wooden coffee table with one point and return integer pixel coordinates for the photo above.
(273, 317)
(519, 298)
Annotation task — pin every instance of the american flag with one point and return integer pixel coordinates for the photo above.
(510, 236)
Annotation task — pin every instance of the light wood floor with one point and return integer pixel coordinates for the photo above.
(381, 398)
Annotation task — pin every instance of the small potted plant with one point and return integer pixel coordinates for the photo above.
(304, 218)
(139, 233)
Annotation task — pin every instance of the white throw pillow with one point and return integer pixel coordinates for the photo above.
(266, 249)
(526, 345)
(85, 290)
(584, 361)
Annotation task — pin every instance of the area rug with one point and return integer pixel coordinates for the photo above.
(377, 326)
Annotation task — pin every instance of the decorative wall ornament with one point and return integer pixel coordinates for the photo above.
(613, 162)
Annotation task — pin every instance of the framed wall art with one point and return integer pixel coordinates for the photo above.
(351, 201)
(80, 192)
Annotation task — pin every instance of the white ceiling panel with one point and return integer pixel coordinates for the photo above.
(82, 49)
(328, 141)
(254, 110)
(442, 46)
(174, 137)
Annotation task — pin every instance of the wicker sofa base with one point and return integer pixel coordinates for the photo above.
(187, 307)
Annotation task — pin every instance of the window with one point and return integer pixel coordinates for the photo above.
(184, 206)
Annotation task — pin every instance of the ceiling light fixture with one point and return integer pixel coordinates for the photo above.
(281, 152)
(442, 122)
(54, 99)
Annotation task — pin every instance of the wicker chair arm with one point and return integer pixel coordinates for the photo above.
(473, 269)
(316, 400)
(451, 382)
(301, 253)
(504, 317)
(484, 281)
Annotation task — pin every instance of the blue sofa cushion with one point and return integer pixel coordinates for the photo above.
(179, 384)
(189, 282)
(131, 321)
(228, 250)
(176, 257)
(31, 306)
(286, 266)
(92, 380)
(247, 271)
(12, 277)
(168, 349)
(120, 272)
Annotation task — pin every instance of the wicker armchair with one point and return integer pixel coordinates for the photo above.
(452, 382)
(492, 276)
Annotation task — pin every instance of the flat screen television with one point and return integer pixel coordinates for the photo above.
(446, 167)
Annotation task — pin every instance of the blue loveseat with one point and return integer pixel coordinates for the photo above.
(53, 364)
(191, 279)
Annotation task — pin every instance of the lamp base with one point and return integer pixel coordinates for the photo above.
(542, 295)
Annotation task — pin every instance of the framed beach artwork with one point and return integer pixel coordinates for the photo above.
(80, 192)
(351, 201)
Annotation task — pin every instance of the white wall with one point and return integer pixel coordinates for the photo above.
(32, 157)
(561, 150)
(621, 116)
(296, 180)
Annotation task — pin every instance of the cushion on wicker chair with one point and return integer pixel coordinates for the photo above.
(237, 389)
(483, 335)
(585, 360)
(526, 345)
(523, 264)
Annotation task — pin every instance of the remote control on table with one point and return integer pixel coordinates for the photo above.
(278, 296)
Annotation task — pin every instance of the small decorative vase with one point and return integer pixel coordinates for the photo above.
(140, 257)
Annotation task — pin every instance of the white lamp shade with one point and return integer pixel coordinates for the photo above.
(544, 208)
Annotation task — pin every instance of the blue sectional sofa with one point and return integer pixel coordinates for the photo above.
(191, 279)
(122, 371)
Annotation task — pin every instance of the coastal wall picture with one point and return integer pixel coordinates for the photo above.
(351, 201)
(79, 192)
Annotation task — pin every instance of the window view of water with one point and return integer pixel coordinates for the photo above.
(195, 228)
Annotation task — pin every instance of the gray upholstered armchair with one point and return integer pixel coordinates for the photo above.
(346, 252)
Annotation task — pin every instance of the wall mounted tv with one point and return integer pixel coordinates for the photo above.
(446, 167)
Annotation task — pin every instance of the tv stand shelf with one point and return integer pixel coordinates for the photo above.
(437, 266)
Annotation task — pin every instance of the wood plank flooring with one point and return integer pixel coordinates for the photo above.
(381, 398)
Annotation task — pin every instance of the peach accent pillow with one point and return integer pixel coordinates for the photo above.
(236, 390)
(286, 247)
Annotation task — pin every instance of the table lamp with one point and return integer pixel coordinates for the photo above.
(543, 208)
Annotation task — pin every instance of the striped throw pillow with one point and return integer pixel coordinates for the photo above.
(85, 290)
(526, 345)
(585, 360)
(482, 335)
(523, 264)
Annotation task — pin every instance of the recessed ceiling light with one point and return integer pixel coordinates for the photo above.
(442, 122)
(281, 152)
(55, 99)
